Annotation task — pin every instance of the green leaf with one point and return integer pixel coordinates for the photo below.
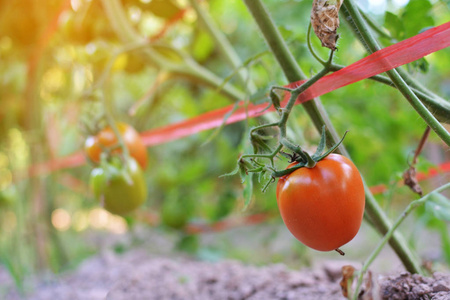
(439, 205)
(248, 190)
(169, 53)
(331, 150)
(275, 99)
(322, 143)
(395, 25)
(445, 241)
(242, 173)
(261, 176)
(234, 172)
(188, 243)
(421, 65)
(417, 15)
(202, 46)
(225, 205)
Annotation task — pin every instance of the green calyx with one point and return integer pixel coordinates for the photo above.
(304, 159)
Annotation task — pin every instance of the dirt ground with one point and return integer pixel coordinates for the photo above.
(137, 274)
(150, 268)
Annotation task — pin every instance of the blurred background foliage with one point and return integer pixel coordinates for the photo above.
(56, 55)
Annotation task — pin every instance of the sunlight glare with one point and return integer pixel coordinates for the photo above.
(76, 4)
(98, 218)
(401, 3)
(5, 178)
(5, 44)
(80, 221)
(377, 6)
(61, 219)
(9, 221)
(117, 225)
(19, 149)
(135, 14)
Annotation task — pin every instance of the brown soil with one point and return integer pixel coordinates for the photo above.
(139, 275)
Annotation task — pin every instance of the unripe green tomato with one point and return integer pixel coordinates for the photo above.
(119, 190)
(174, 213)
(8, 196)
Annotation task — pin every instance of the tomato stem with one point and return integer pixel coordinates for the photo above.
(339, 251)
(310, 163)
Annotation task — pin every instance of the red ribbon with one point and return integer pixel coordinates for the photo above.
(401, 53)
(381, 61)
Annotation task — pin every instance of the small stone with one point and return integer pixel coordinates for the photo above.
(422, 289)
(440, 288)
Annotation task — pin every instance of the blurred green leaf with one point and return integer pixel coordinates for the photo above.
(210, 255)
(170, 53)
(417, 15)
(177, 210)
(166, 9)
(394, 24)
(248, 190)
(421, 65)
(202, 46)
(225, 205)
(445, 240)
(234, 172)
(188, 243)
(439, 205)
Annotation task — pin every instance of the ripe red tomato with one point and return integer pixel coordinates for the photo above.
(323, 206)
(119, 188)
(106, 138)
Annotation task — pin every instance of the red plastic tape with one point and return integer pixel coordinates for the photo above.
(401, 53)
(388, 58)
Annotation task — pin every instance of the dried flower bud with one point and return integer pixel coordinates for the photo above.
(325, 21)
